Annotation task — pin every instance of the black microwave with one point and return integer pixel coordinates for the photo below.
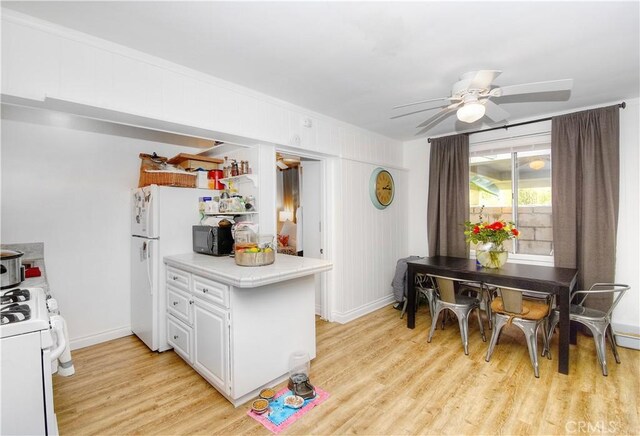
(215, 241)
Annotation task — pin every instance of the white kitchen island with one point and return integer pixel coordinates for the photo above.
(237, 326)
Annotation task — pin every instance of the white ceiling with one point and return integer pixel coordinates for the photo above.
(355, 60)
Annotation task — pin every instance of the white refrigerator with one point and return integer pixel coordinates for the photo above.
(161, 221)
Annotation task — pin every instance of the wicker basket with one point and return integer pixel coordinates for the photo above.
(155, 171)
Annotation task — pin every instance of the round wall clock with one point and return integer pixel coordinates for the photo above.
(381, 188)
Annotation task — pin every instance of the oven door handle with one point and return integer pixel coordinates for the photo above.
(57, 325)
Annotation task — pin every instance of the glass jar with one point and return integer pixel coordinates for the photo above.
(250, 203)
(245, 235)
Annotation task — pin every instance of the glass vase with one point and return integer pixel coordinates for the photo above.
(490, 255)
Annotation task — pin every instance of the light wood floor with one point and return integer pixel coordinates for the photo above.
(382, 378)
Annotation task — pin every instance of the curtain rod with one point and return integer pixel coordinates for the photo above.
(620, 105)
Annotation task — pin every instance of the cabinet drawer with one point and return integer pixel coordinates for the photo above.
(211, 291)
(180, 337)
(177, 278)
(178, 304)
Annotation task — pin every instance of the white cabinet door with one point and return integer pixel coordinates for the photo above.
(30, 62)
(180, 337)
(199, 97)
(226, 111)
(136, 88)
(86, 74)
(211, 345)
(179, 304)
(174, 103)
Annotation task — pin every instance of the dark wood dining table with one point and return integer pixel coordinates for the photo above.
(551, 280)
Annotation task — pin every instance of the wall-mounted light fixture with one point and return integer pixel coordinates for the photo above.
(537, 164)
(284, 215)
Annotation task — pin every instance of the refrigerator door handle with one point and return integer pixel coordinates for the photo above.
(150, 217)
(146, 247)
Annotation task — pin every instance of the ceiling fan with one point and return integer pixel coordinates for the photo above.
(284, 162)
(471, 98)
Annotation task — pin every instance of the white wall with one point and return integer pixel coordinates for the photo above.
(71, 190)
(416, 157)
(370, 241)
(626, 318)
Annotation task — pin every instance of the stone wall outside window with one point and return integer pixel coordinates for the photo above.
(534, 224)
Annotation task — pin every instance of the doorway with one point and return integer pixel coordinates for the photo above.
(300, 209)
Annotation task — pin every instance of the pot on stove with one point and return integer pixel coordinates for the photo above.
(11, 269)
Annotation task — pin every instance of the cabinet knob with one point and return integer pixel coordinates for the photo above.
(190, 301)
(175, 336)
(175, 277)
(175, 303)
(205, 290)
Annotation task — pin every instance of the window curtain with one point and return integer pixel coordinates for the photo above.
(585, 174)
(290, 191)
(448, 196)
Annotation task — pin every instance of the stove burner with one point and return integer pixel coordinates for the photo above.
(15, 296)
(15, 313)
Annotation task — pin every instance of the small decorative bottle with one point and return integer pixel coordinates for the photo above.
(226, 169)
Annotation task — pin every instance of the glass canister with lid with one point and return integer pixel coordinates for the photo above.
(251, 248)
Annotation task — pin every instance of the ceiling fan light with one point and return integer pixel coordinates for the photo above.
(470, 112)
(537, 164)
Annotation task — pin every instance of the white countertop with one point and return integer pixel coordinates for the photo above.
(34, 256)
(225, 270)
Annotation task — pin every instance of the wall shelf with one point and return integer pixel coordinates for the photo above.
(230, 213)
(253, 178)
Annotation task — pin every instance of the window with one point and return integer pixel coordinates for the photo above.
(511, 180)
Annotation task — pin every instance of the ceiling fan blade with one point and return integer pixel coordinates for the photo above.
(483, 79)
(414, 112)
(531, 88)
(495, 112)
(440, 116)
(420, 102)
(445, 110)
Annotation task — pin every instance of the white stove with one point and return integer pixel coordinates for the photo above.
(23, 310)
(32, 338)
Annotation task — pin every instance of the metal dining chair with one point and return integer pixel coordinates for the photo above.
(597, 321)
(461, 305)
(425, 287)
(528, 314)
(485, 294)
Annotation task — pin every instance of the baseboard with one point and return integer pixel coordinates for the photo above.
(87, 341)
(627, 336)
(345, 317)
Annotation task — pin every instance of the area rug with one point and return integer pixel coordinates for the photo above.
(280, 416)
